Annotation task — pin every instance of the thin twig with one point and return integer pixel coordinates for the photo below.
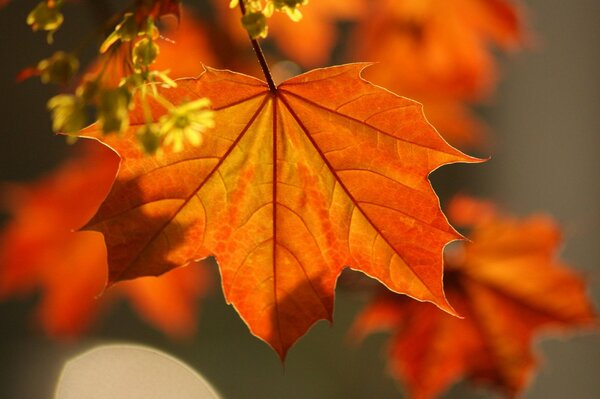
(261, 56)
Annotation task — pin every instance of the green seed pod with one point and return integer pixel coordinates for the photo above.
(59, 68)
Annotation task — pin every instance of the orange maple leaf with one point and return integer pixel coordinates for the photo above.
(38, 249)
(505, 284)
(440, 46)
(440, 53)
(311, 40)
(288, 189)
(184, 46)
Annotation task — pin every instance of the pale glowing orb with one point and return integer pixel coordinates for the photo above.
(131, 372)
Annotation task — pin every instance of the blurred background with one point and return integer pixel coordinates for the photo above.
(543, 135)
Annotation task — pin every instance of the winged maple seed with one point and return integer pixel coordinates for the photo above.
(288, 189)
(505, 284)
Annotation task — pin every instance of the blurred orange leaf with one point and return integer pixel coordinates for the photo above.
(455, 121)
(311, 40)
(286, 190)
(38, 249)
(440, 53)
(439, 45)
(184, 46)
(308, 42)
(505, 284)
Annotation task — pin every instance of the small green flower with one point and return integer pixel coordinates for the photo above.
(68, 113)
(113, 110)
(46, 16)
(59, 68)
(256, 24)
(186, 123)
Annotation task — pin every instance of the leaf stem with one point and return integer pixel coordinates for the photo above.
(260, 56)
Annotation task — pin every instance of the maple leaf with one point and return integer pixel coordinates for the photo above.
(38, 250)
(504, 283)
(185, 41)
(311, 40)
(288, 189)
(439, 45)
(445, 52)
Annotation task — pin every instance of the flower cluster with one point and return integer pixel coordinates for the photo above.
(257, 12)
(133, 44)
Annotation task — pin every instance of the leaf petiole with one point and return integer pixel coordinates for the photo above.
(260, 56)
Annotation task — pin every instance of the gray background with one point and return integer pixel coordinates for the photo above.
(546, 121)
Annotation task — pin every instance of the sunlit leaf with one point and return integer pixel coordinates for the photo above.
(287, 190)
